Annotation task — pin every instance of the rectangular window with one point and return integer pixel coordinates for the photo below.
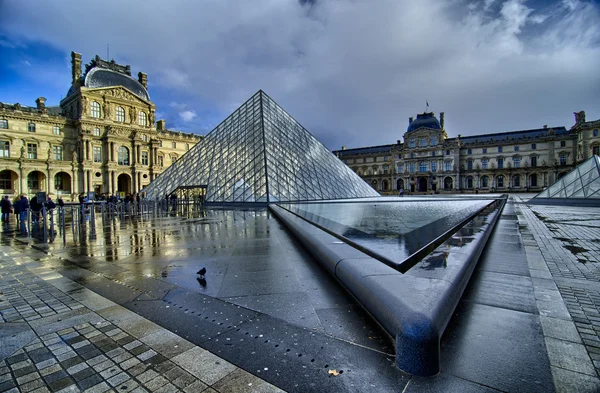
(422, 166)
(386, 169)
(33, 182)
(4, 149)
(499, 149)
(57, 152)
(484, 164)
(4, 123)
(563, 159)
(447, 152)
(533, 162)
(58, 182)
(174, 145)
(516, 162)
(31, 127)
(96, 131)
(533, 146)
(433, 166)
(469, 151)
(433, 153)
(144, 158)
(423, 142)
(448, 166)
(411, 167)
(516, 148)
(97, 153)
(433, 140)
(411, 143)
(56, 130)
(500, 163)
(470, 165)
(32, 151)
(484, 150)
(400, 168)
(145, 138)
(563, 143)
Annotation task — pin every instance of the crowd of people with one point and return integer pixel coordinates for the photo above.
(21, 205)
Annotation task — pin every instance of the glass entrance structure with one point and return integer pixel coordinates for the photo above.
(260, 154)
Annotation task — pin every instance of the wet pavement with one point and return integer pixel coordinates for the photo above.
(267, 308)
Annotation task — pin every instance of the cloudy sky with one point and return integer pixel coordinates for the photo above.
(351, 71)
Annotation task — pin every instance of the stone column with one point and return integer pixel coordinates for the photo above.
(112, 180)
(50, 183)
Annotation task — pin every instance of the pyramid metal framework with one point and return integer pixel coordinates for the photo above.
(260, 154)
(582, 182)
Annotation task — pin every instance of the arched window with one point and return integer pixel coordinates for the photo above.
(533, 180)
(484, 182)
(142, 118)
(95, 109)
(516, 181)
(120, 114)
(500, 181)
(3, 123)
(470, 182)
(123, 155)
(422, 166)
(31, 127)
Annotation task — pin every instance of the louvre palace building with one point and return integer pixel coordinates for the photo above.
(427, 160)
(102, 138)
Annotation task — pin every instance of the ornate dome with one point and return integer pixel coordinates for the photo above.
(102, 77)
(427, 120)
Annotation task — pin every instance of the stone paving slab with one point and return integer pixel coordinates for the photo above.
(75, 340)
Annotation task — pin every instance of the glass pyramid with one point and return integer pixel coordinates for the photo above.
(260, 154)
(582, 182)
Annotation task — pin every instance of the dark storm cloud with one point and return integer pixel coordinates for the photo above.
(352, 72)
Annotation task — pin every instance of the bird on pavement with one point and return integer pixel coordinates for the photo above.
(201, 272)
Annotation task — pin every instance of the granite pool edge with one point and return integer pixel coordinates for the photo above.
(413, 310)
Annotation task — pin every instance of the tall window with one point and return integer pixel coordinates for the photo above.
(499, 149)
(516, 162)
(411, 143)
(95, 109)
(447, 152)
(423, 142)
(3, 123)
(145, 138)
(32, 151)
(144, 158)
(174, 145)
(56, 130)
(422, 166)
(533, 146)
(448, 166)
(596, 150)
(57, 152)
(142, 118)
(400, 168)
(411, 167)
(433, 166)
(516, 181)
(563, 143)
(96, 131)
(58, 182)
(516, 148)
(4, 149)
(533, 162)
(533, 180)
(33, 181)
(97, 153)
(470, 165)
(500, 163)
(469, 151)
(5, 180)
(31, 127)
(433, 153)
(386, 169)
(563, 159)
(123, 155)
(595, 132)
(433, 140)
(469, 182)
(500, 181)
(484, 182)
(120, 114)
(484, 164)
(484, 150)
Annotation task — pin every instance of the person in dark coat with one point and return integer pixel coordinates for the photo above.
(6, 209)
(22, 206)
(50, 204)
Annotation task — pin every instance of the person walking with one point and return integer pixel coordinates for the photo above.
(402, 192)
(6, 209)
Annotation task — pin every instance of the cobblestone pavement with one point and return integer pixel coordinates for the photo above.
(569, 241)
(86, 343)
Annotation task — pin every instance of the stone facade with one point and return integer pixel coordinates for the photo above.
(427, 160)
(102, 138)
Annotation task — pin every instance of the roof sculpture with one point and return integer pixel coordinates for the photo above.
(260, 154)
(582, 183)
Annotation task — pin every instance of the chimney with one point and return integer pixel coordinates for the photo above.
(343, 147)
(143, 78)
(41, 103)
(161, 125)
(442, 120)
(410, 120)
(75, 66)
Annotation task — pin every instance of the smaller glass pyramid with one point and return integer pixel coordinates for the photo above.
(260, 154)
(582, 182)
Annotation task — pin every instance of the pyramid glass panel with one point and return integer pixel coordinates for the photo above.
(581, 182)
(261, 154)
